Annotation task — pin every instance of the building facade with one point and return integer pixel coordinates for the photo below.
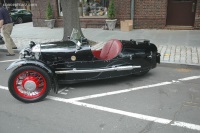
(157, 14)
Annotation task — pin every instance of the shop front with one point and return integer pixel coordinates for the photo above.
(93, 13)
(145, 14)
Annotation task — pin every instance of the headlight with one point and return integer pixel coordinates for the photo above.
(21, 54)
(36, 48)
(25, 53)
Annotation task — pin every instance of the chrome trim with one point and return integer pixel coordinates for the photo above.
(121, 68)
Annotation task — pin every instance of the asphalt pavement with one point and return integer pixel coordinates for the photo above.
(175, 46)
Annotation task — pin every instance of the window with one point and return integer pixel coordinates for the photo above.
(26, 12)
(90, 8)
(59, 8)
(95, 8)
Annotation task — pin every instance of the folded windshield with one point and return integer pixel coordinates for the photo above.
(75, 35)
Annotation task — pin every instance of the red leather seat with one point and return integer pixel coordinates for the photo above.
(110, 50)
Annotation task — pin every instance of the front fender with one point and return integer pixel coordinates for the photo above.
(25, 62)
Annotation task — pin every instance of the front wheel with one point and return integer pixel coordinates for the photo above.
(29, 84)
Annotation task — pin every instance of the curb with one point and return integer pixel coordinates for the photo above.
(15, 50)
(178, 63)
(196, 66)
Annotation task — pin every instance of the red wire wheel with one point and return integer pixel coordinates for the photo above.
(29, 83)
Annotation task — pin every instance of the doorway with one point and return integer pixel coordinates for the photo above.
(181, 12)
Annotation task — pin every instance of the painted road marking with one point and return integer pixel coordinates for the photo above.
(119, 91)
(62, 91)
(130, 114)
(65, 90)
(75, 101)
(133, 89)
(3, 87)
(8, 61)
(189, 78)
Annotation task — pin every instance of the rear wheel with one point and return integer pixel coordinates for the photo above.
(29, 84)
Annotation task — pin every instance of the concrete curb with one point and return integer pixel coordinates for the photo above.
(197, 66)
(5, 50)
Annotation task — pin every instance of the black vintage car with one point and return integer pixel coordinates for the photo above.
(43, 66)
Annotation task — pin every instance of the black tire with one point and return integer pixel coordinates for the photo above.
(141, 73)
(19, 20)
(29, 84)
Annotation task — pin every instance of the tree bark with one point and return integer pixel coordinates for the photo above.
(70, 17)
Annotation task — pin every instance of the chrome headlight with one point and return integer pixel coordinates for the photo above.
(25, 53)
(36, 48)
(21, 54)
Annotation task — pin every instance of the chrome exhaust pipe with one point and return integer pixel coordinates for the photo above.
(120, 68)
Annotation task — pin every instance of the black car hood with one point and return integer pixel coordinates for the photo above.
(60, 46)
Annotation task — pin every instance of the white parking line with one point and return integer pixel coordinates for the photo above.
(75, 101)
(64, 91)
(61, 90)
(130, 114)
(8, 61)
(189, 78)
(133, 89)
(3, 87)
(119, 91)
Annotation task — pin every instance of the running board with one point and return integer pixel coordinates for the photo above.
(121, 68)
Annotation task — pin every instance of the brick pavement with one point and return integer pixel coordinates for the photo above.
(179, 54)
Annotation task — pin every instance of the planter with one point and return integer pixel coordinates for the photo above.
(111, 23)
(50, 23)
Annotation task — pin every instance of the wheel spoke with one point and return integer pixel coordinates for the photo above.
(30, 84)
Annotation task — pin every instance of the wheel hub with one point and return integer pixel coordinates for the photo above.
(30, 84)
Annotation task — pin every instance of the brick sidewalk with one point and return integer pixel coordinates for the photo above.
(179, 54)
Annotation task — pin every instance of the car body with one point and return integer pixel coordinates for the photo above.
(43, 67)
(21, 15)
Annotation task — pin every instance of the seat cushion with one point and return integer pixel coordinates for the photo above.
(111, 49)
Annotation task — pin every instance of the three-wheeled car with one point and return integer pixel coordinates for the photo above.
(44, 66)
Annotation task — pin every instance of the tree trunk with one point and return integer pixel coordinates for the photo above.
(70, 17)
